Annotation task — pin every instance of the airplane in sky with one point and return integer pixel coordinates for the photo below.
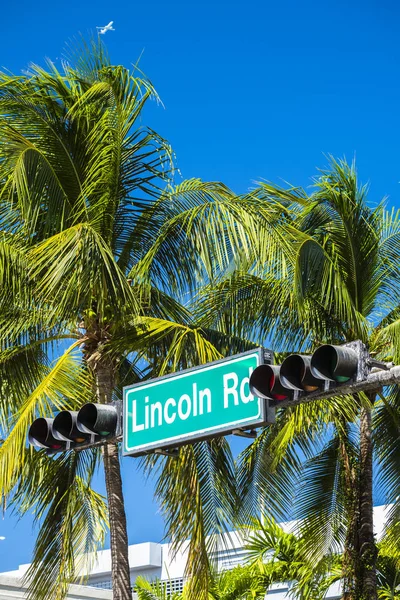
(106, 28)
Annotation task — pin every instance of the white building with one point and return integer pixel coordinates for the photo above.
(11, 588)
(154, 560)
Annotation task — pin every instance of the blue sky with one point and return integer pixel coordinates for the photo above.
(252, 90)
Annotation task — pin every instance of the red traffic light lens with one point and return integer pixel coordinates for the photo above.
(271, 387)
(265, 383)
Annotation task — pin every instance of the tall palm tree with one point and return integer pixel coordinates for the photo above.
(98, 252)
(334, 280)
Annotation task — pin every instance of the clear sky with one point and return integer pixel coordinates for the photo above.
(252, 90)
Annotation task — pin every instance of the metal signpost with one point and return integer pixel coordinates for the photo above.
(194, 404)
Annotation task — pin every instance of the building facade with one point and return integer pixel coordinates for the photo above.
(12, 588)
(154, 560)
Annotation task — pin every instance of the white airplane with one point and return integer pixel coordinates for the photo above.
(106, 28)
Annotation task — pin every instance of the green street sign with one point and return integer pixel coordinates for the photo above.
(199, 403)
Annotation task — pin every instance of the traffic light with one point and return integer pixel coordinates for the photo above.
(310, 376)
(265, 381)
(98, 419)
(41, 434)
(71, 429)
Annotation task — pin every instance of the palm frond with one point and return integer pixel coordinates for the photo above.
(64, 385)
(167, 345)
(73, 526)
(321, 501)
(75, 269)
(317, 276)
(197, 495)
(240, 583)
(154, 590)
(280, 557)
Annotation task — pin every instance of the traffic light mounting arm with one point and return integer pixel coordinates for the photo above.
(94, 425)
(332, 370)
(117, 437)
(374, 381)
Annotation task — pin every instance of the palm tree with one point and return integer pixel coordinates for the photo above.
(388, 575)
(282, 557)
(154, 590)
(334, 279)
(239, 583)
(98, 250)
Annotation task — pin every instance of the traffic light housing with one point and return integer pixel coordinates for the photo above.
(303, 377)
(40, 434)
(98, 419)
(265, 382)
(65, 428)
(70, 429)
(335, 363)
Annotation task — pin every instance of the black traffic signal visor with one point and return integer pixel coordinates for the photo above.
(98, 419)
(41, 434)
(64, 427)
(296, 374)
(265, 383)
(335, 363)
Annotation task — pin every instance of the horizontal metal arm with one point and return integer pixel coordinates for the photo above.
(102, 442)
(379, 364)
(374, 381)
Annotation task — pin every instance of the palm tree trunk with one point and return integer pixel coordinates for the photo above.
(367, 548)
(121, 583)
(350, 550)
